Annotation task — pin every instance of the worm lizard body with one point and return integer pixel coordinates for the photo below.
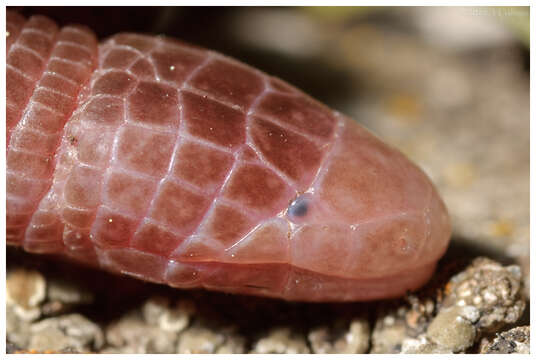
(150, 157)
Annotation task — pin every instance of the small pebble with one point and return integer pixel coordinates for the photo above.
(154, 308)
(422, 346)
(458, 316)
(233, 345)
(451, 330)
(177, 318)
(387, 339)
(25, 290)
(132, 334)
(199, 341)
(158, 311)
(64, 332)
(513, 341)
(353, 340)
(17, 329)
(281, 341)
(495, 291)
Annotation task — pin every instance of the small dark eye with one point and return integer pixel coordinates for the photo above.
(299, 207)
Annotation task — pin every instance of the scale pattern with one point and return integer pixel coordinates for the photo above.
(175, 164)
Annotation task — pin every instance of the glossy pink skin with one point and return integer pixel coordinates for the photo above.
(174, 164)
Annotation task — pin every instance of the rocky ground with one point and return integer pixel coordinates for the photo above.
(64, 308)
(454, 98)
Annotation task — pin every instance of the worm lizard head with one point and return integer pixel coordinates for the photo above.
(370, 214)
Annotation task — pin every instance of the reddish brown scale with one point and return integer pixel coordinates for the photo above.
(294, 155)
(150, 157)
(202, 165)
(213, 121)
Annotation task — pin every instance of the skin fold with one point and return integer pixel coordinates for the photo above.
(150, 157)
